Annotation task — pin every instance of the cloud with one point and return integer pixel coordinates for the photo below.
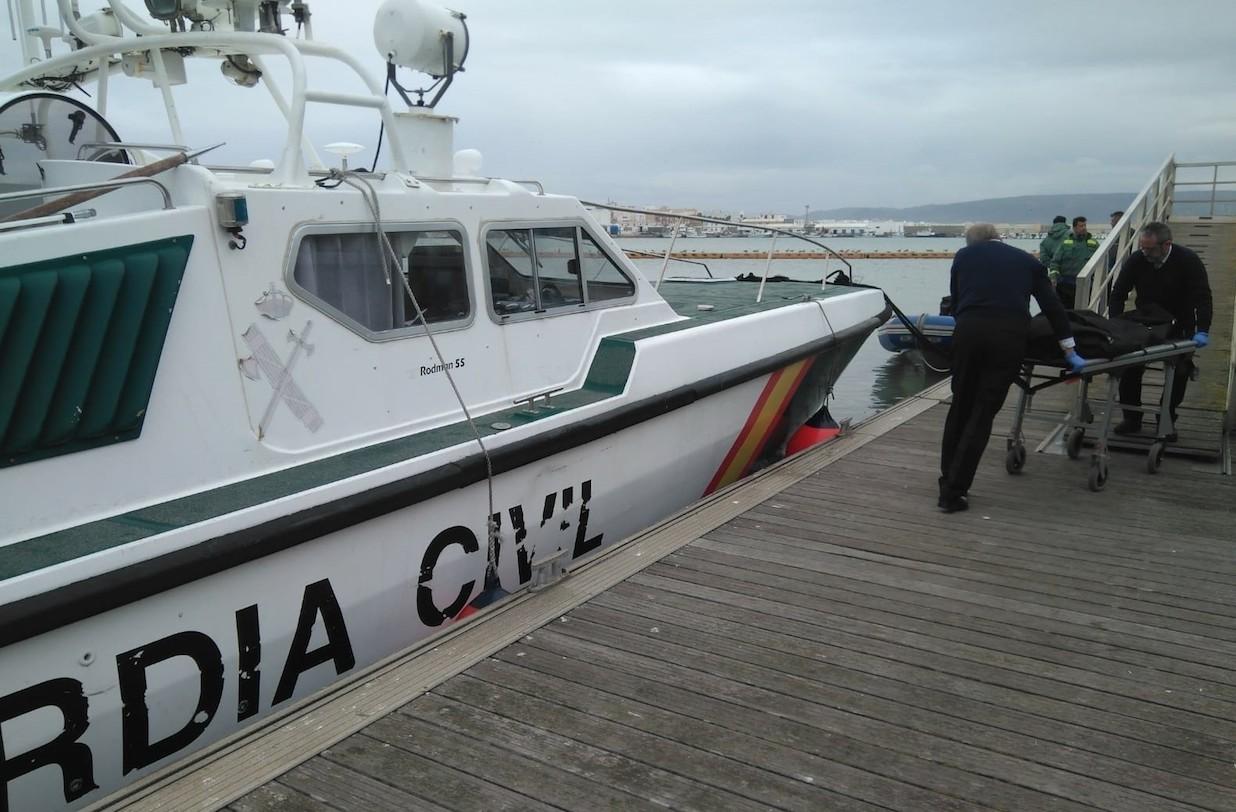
(727, 104)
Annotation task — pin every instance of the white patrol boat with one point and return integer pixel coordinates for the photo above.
(263, 426)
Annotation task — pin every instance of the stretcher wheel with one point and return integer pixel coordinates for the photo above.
(1098, 474)
(1073, 443)
(1154, 459)
(1015, 459)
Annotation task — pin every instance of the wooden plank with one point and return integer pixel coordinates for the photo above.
(659, 770)
(1219, 245)
(1188, 713)
(880, 671)
(846, 713)
(1045, 564)
(1155, 595)
(275, 797)
(1182, 579)
(447, 785)
(1196, 558)
(1030, 500)
(1149, 503)
(545, 781)
(1043, 636)
(771, 741)
(344, 788)
(543, 669)
(1104, 608)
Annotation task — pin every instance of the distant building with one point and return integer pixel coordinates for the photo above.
(859, 228)
(773, 220)
(934, 229)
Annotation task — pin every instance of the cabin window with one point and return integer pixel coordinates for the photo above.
(344, 273)
(550, 270)
(603, 278)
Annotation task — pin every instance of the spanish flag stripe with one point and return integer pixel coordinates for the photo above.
(771, 404)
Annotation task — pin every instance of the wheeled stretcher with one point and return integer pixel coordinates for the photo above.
(1082, 415)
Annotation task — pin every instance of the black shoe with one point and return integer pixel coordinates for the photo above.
(1170, 438)
(953, 505)
(1127, 427)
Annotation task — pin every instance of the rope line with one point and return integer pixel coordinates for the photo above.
(365, 187)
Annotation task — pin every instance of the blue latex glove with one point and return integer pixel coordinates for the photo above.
(1201, 339)
(1076, 363)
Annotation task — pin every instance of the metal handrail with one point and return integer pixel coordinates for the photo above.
(114, 183)
(1214, 183)
(113, 146)
(776, 232)
(290, 167)
(700, 219)
(1154, 202)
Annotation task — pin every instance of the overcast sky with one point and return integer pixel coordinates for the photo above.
(767, 106)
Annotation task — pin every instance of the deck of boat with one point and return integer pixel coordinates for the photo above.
(818, 637)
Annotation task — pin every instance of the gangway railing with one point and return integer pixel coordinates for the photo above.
(678, 218)
(1154, 202)
(1203, 198)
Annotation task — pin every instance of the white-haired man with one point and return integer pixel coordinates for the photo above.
(991, 284)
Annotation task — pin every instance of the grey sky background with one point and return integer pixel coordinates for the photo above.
(769, 106)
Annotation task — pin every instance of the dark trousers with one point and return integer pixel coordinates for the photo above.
(987, 353)
(1066, 289)
(1131, 388)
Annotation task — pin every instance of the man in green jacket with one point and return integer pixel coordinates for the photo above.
(1069, 259)
(1055, 236)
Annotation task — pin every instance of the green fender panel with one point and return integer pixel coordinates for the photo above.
(80, 343)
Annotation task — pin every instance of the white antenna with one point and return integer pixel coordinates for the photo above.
(343, 149)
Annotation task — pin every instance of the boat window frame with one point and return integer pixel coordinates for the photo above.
(366, 227)
(541, 312)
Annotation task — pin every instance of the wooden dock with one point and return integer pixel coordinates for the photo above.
(818, 637)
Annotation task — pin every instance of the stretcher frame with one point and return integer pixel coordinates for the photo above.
(1082, 415)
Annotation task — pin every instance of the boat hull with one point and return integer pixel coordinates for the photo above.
(135, 686)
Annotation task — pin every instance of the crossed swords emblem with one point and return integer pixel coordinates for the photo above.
(266, 360)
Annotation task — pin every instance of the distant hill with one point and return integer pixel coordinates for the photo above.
(1024, 209)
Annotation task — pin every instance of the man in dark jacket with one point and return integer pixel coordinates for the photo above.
(991, 284)
(1113, 239)
(1174, 278)
(1055, 236)
(1068, 260)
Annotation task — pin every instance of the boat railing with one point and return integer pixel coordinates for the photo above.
(110, 183)
(679, 219)
(107, 147)
(1154, 202)
(291, 169)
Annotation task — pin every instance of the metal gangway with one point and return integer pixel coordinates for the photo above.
(1198, 201)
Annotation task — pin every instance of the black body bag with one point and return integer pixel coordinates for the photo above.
(1096, 336)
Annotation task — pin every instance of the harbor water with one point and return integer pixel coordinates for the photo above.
(876, 378)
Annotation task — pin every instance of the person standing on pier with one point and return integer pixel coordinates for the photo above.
(1069, 259)
(1113, 240)
(991, 284)
(1055, 236)
(1174, 278)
